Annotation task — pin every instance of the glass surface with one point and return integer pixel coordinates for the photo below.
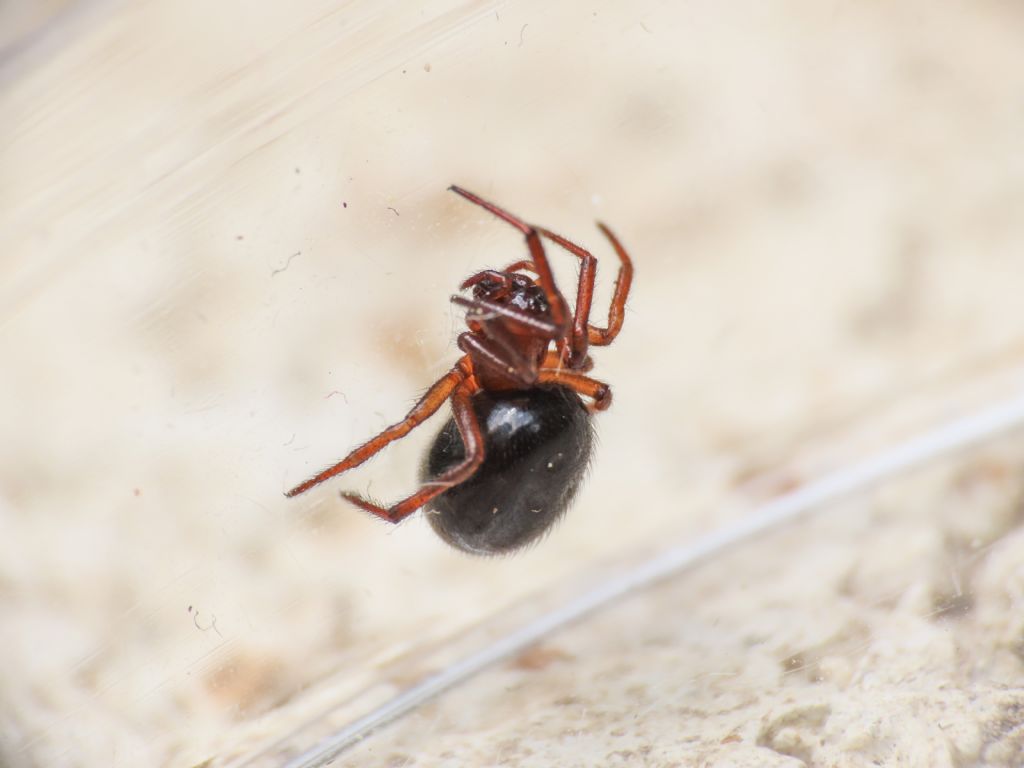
(227, 258)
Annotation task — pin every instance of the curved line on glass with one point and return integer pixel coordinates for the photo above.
(816, 495)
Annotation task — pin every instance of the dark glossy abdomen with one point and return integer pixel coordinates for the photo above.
(537, 446)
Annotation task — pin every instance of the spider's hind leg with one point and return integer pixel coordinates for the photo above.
(472, 439)
(424, 409)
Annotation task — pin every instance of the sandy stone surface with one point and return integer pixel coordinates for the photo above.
(227, 253)
(886, 631)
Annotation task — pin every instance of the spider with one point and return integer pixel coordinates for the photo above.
(509, 462)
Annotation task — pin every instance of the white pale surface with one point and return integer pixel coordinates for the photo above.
(227, 252)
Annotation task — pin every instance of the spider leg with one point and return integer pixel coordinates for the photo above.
(553, 361)
(583, 331)
(559, 309)
(519, 266)
(602, 337)
(501, 213)
(584, 298)
(530, 324)
(596, 390)
(427, 405)
(472, 439)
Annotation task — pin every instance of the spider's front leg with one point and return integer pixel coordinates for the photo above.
(472, 439)
(553, 361)
(538, 261)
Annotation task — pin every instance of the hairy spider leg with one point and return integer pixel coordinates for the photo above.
(577, 347)
(553, 361)
(602, 337)
(596, 390)
(559, 309)
(440, 391)
(519, 266)
(582, 330)
(472, 439)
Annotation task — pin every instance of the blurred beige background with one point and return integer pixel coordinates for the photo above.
(227, 256)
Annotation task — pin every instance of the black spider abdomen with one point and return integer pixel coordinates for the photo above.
(537, 447)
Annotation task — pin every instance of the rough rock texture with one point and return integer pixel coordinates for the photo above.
(227, 252)
(886, 631)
